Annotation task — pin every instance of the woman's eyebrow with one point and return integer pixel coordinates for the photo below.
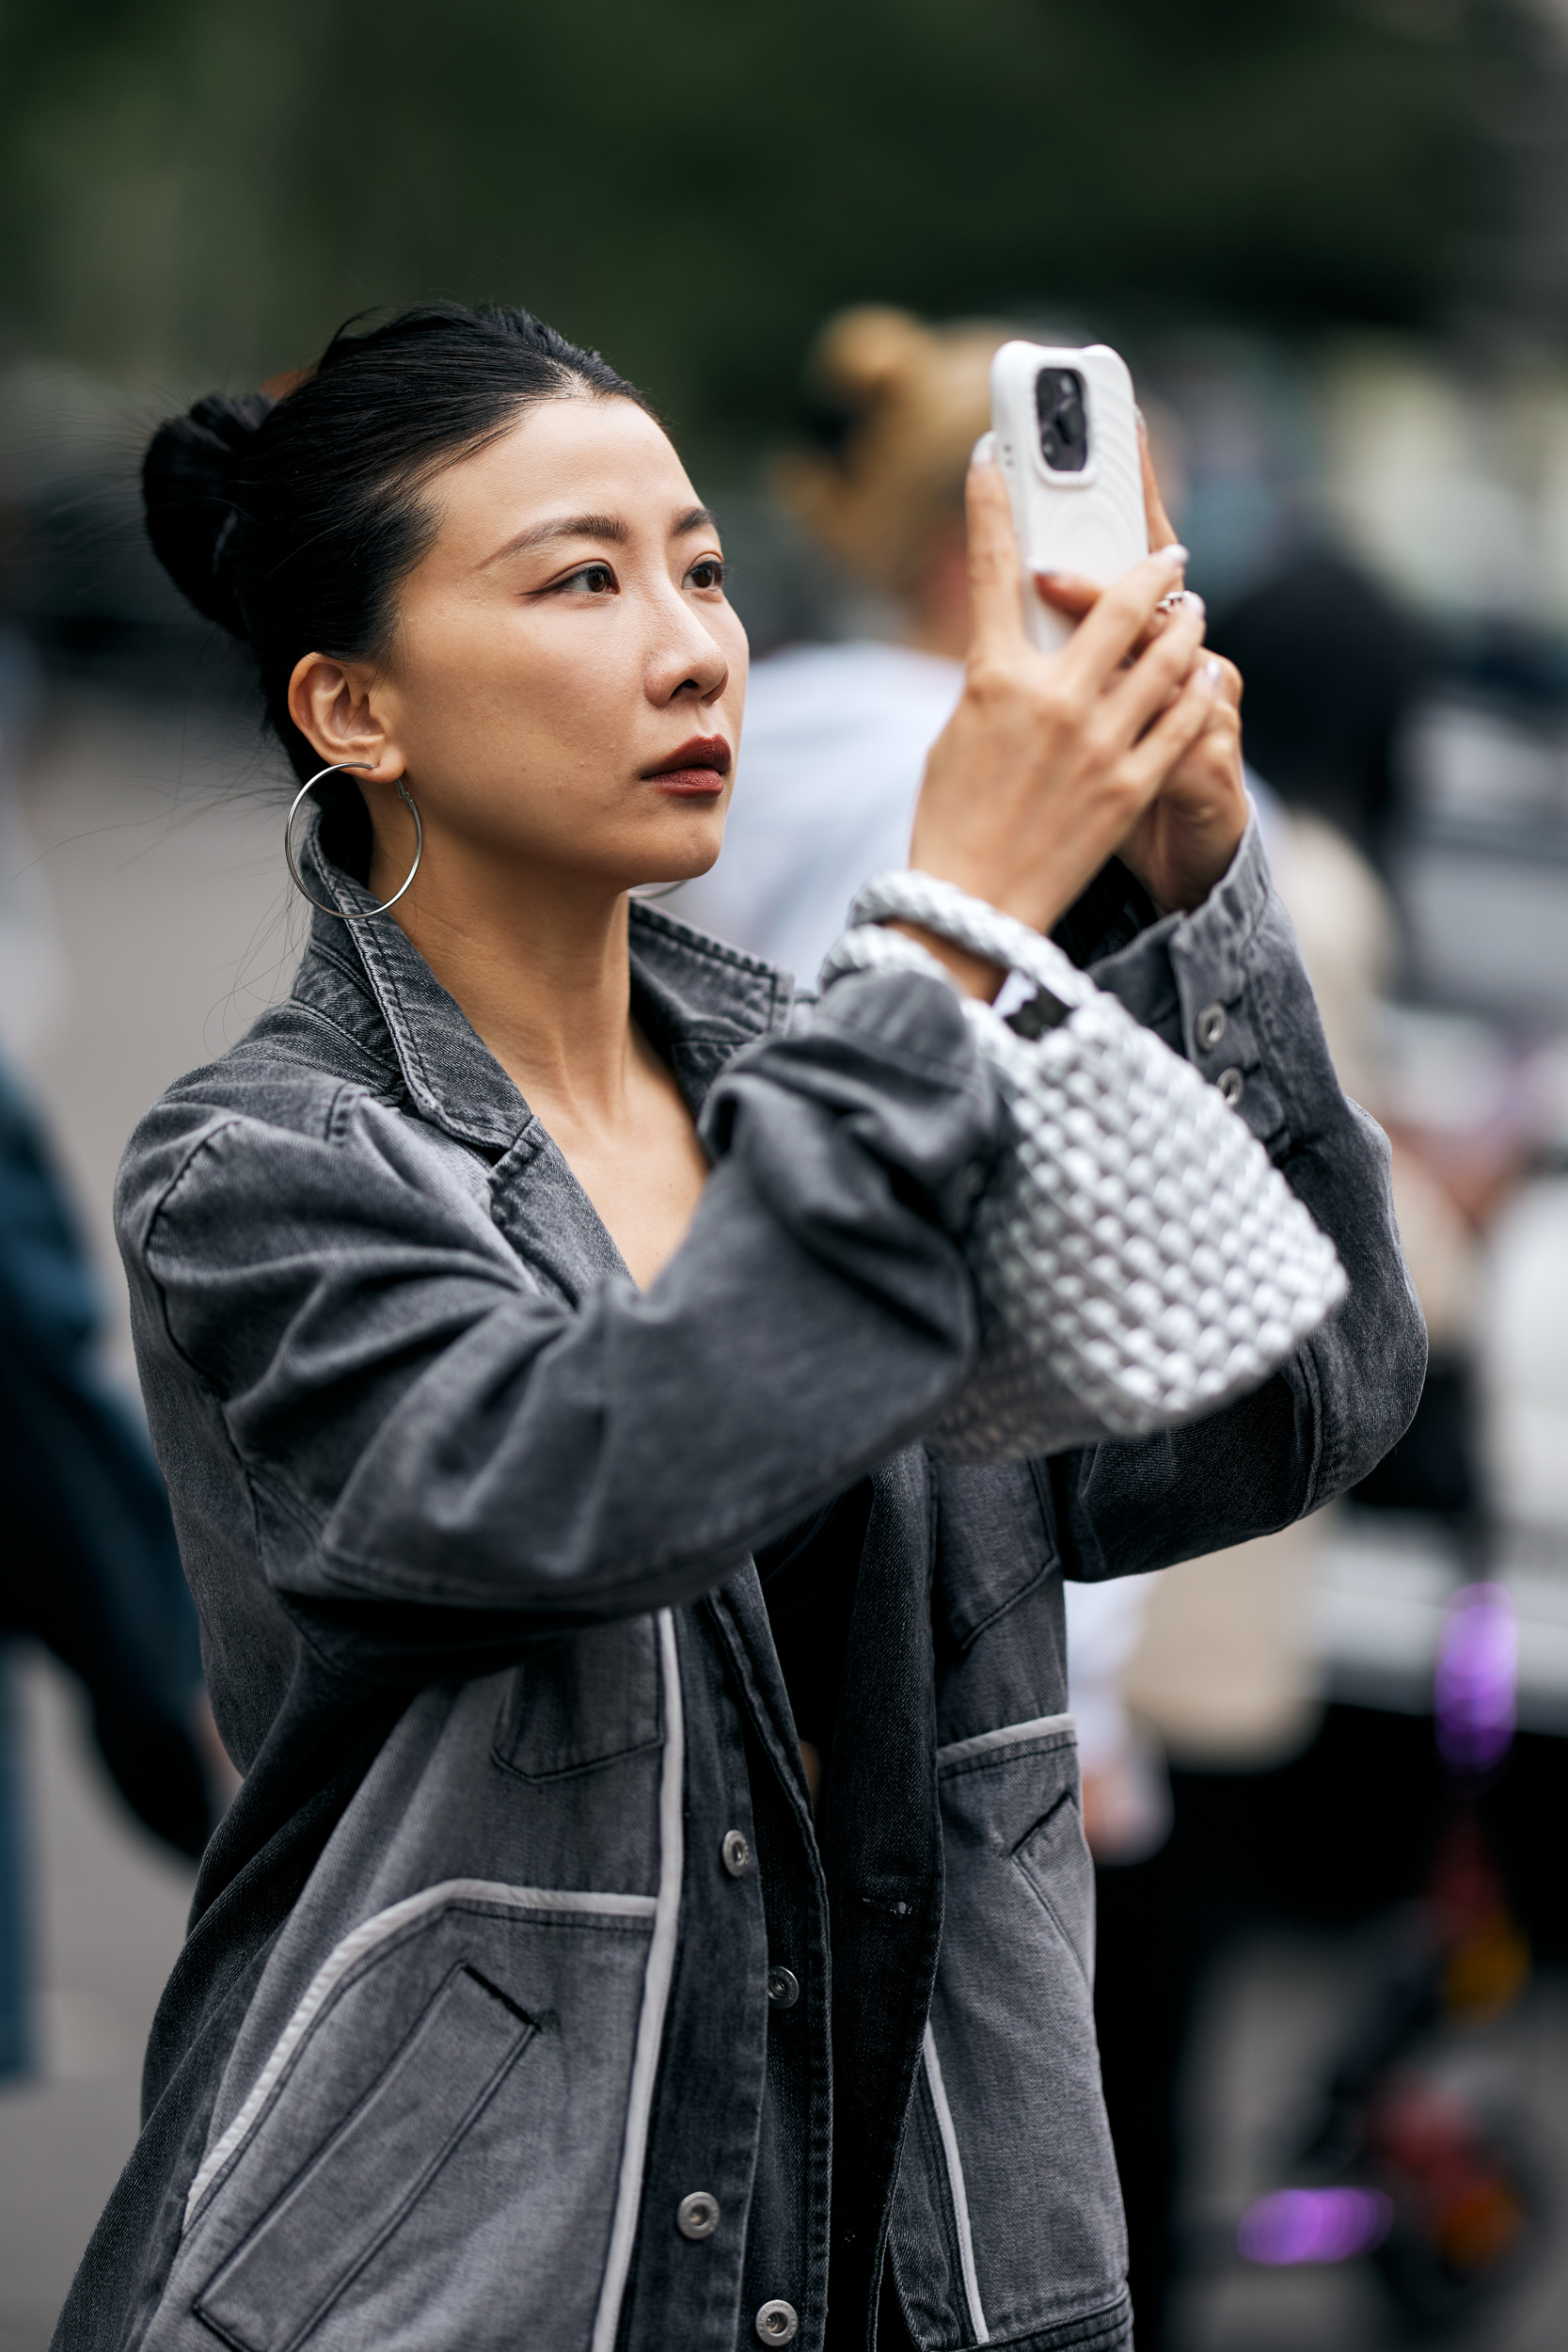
(564, 527)
(695, 518)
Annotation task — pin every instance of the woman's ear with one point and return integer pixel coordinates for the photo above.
(334, 707)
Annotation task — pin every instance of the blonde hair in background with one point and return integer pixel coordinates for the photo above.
(916, 399)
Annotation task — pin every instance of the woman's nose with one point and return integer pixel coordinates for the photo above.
(688, 661)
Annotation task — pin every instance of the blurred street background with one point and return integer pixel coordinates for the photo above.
(1331, 237)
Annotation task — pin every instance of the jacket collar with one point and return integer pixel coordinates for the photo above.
(698, 1001)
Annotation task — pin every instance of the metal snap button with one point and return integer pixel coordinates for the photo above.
(1210, 1027)
(737, 1852)
(1232, 1084)
(778, 2322)
(783, 1991)
(697, 2216)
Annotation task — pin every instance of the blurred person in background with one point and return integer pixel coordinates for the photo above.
(1334, 667)
(505, 2009)
(88, 1565)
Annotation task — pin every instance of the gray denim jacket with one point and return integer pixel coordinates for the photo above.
(475, 1997)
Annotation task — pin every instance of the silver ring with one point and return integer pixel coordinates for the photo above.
(339, 768)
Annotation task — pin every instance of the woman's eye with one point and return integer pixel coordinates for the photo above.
(709, 573)
(595, 579)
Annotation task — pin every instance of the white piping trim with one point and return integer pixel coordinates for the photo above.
(958, 1751)
(656, 1996)
(956, 2188)
(354, 1947)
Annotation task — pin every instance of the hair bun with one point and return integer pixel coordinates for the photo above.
(864, 354)
(191, 479)
(901, 406)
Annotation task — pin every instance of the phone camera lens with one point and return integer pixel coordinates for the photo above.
(1063, 424)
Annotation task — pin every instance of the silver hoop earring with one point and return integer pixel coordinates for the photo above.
(340, 768)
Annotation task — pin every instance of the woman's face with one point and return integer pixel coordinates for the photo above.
(566, 680)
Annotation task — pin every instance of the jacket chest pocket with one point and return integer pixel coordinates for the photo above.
(581, 1699)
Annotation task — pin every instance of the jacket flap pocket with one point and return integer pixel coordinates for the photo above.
(580, 1700)
(1054, 1860)
(994, 1544)
(302, 2255)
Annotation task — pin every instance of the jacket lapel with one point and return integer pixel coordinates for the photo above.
(696, 999)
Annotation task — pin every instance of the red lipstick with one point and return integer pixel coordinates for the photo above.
(698, 769)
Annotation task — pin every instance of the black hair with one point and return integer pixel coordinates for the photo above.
(294, 521)
(1333, 667)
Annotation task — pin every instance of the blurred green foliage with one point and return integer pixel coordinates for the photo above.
(200, 189)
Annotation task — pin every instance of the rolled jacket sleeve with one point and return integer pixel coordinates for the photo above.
(418, 1420)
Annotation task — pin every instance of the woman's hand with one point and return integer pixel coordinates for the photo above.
(1185, 840)
(1050, 761)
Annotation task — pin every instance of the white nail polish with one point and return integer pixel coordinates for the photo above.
(984, 451)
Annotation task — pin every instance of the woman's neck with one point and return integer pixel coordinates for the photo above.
(540, 963)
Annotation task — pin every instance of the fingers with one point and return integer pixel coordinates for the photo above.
(1175, 731)
(995, 588)
(1109, 632)
(1069, 593)
(1161, 532)
(1145, 688)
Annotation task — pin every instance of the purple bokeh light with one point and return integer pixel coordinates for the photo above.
(1314, 2225)
(1477, 1674)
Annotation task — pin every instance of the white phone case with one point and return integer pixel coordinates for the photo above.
(1090, 521)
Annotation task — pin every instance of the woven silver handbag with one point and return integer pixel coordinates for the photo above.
(1139, 1260)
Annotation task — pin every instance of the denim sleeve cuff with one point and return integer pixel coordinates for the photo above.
(1215, 953)
(1189, 977)
(1213, 939)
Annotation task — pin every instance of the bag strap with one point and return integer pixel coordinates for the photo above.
(907, 896)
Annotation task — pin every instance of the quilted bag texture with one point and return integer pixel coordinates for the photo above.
(1139, 1260)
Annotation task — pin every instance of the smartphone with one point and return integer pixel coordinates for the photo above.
(1067, 441)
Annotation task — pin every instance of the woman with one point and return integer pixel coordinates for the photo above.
(487, 1381)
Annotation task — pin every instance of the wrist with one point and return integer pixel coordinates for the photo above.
(1179, 874)
(1210, 868)
(974, 974)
